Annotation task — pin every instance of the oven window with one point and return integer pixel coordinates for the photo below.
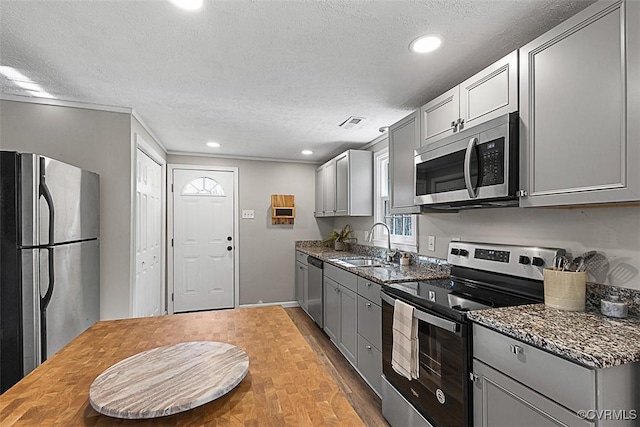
(444, 174)
(441, 364)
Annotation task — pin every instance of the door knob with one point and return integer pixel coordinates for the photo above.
(229, 248)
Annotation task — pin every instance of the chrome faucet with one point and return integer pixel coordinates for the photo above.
(390, 253)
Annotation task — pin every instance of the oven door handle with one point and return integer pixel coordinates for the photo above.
(436, 321)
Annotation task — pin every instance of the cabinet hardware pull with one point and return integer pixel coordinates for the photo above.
(473, 377)
(368, 284)
(368, 347)
(368, 304)
(516, 349)
(454, 125)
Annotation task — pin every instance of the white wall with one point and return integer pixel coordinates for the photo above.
(612, 231)
(98, 141)
(266, 253)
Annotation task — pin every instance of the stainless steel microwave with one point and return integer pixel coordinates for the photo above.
(477, 167)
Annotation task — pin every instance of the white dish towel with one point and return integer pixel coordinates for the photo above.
(404, 354)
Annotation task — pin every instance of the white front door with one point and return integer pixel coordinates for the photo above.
(203, 252)
(148, 290)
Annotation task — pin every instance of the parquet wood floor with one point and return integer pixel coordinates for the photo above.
(365, 402)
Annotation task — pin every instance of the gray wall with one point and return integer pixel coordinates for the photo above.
(266, 252)
(612, 231)
(98, 141)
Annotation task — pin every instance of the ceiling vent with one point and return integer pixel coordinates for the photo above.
(352, 122)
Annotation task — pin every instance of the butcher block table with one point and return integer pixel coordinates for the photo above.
(286, 383)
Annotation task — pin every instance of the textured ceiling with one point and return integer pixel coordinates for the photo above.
(263, 78)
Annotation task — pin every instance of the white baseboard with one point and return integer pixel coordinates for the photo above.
(284, 304)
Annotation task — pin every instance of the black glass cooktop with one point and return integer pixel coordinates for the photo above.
(455, 296)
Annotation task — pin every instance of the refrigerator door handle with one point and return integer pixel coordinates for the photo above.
(44, 303)
(44, 192)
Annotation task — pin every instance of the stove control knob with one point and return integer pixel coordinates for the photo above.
(464, 252)
(538, 262)
(455, 251)
(524, 260)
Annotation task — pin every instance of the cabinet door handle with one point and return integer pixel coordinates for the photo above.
(460, 124)
(368, 347)
(516, 349)
(368, 304)
(368, 284)
(473, 377)
(454, 125)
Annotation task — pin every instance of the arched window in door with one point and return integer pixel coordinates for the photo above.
(203, 186)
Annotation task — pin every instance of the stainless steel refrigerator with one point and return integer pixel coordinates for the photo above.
(49, 259)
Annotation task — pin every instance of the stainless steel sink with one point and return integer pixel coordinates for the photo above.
(360, 262)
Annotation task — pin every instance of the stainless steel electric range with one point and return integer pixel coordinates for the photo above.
(483, 276)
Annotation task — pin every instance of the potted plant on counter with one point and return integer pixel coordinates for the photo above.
(337, 239)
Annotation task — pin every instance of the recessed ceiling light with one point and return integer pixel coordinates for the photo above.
(187, 4)
(307, 152)
(425, 44)
(213, 144)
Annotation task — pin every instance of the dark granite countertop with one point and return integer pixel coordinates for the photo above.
(587, 338)
(394, 273)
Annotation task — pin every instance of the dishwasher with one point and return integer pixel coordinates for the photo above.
(315, 290)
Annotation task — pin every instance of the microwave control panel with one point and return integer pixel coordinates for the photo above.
(492, 162)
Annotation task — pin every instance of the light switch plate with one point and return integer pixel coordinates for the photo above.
(432, 243)
(248, 214)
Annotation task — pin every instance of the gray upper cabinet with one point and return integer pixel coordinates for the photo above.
(346, 185)
(439, 117)
(488, 94)
(342, 184)
(329, 188)
(319, 210)
(580, 109)
(404, 138)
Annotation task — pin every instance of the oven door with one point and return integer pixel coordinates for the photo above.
(441, 392)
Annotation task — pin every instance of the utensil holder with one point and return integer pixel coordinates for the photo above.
(565, 290)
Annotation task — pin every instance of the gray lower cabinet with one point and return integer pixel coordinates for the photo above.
(353, 321)
(369, 318)
(579, 109)
(370, 364)
(370, 333)
(515, 383)
(340, 317)
(499, 401)
(348, 342)
(302, 280)
(332, 309)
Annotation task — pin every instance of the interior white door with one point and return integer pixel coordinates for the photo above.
(148, 289)
(203, 252)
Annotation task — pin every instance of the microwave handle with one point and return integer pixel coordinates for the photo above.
(436, 321)
(467, 168)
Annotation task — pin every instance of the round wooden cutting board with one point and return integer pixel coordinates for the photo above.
(167, 380)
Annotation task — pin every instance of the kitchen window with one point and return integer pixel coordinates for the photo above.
(404, 227)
